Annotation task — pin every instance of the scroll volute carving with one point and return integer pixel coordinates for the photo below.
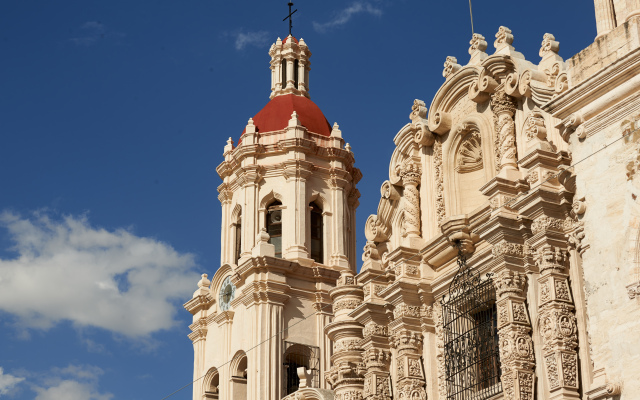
(419, 124)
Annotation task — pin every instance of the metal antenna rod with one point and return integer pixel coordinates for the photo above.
(471, 13)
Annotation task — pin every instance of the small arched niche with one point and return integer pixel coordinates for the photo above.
(212, 385)
(469, 170)
(239, 376)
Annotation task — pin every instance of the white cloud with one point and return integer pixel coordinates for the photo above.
(8, 382)
(92, 31)
(244, 39)
(74, 382)
(344, 16)
(66, 269)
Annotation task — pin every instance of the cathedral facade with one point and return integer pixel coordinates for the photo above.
(504, 258)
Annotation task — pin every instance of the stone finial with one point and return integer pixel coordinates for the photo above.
(451, 66)
(301, 43)
(294, 121)
(418, 111)
(204, 282)
(504, 38)
(203, 286)
(229, 146)
(262, 236)
(250, 128)
(335, 131)
(347, 147)
(477, 49)
(263, 247)
(549, 45)
(478, 44)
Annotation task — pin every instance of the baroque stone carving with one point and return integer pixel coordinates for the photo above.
(544, 223)
(420, 124)
(439, 175)
(451, 66)
(375, 329)
(504, 107)
(410, 173)
(506, 248)
(503, 38)
(534, 126)
(469, 156)
(549, 45)
(346, 304)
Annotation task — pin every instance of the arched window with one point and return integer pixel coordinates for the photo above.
(239, 376)
(470, 327)
(274, 226)
(299, 355)
(283, 69)
(295, 73)
(238, 244)
(212, 385)
(317, 248)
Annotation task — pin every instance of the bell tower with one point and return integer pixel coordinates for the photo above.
(289, 202)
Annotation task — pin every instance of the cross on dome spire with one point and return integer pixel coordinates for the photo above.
(289, 17)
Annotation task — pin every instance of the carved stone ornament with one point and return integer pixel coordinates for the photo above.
(451, 66)
(633, 290)
(504, 108)
(410, 173)
(346, 304)
(549, 257)
(510, 282)
(534, 127)
(549, 45)
(506, 248)
(504, 38)
(544, 223)
(420, 124)
(375, 329)
(469, 156)
(478, 44)
(439, 175)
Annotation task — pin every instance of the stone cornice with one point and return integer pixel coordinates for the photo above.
(595, 86)
(198, 303)
(224, 317)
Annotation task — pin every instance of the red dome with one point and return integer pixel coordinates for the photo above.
(276, 114)
(287, 38)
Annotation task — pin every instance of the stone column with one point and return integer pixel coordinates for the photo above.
(290, 84)
(324, 316)
(338, 185)
(504, 108)
(250, 213)
(605, 17)
(410, 174)
(558, 326)
(633, 9)
(409, 371)
(514, 329)
(346, 375)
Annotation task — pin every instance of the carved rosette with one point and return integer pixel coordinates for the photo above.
(410, 173)
(514, 329)
(504, 108)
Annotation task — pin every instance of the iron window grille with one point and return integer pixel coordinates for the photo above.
(471, 349)
(299, 355)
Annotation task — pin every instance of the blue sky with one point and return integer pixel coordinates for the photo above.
(113, 116)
